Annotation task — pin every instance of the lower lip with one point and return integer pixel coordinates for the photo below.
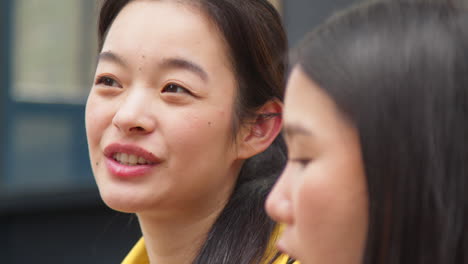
(281, 247)
(125, 171)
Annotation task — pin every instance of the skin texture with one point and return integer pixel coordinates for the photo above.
(164, 83)
(136, 108)
(321, 196)
(133, 107)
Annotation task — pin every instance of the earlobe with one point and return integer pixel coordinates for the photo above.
(259, 135)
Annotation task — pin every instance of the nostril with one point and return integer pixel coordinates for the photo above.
(137, 129)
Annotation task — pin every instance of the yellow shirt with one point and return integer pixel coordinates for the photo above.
(138, 254)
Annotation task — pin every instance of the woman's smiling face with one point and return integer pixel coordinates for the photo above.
(321, 196)
(159, 115)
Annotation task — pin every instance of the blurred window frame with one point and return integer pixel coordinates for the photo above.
(66, 196)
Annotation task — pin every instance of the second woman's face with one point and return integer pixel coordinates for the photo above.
(159, 115)
(321, 196)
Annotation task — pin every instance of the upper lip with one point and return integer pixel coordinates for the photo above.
(111, 149)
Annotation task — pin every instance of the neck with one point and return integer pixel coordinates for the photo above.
(175, 235)
(175, 240)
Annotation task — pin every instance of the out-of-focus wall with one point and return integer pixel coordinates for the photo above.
(50, 209)
(300, 16)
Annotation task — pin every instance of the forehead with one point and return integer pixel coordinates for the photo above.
(307, 105)
(165, 28)
(299, 97)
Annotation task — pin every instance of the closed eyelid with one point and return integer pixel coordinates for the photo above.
(302, 161)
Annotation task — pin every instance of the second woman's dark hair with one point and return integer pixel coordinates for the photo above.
(399, 72)
(256, 42)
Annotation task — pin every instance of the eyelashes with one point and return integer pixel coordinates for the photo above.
(107, 81)
(303, 162)
(175, 88)
(168, 88)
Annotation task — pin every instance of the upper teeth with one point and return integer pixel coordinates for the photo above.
(129, 159)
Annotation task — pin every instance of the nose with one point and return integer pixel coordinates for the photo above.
(134, 115)
(279, 204)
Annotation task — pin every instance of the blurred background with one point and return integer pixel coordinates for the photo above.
(50, 210)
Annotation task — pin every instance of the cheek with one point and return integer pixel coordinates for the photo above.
(197, 137)
(97, 117)
(331, 209)
(317, 214)
(314, 203)
(326, 202)
(200, 128)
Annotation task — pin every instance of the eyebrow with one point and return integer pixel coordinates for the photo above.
(180, 63)
(111, 57)
(177, 63)
(290, 130)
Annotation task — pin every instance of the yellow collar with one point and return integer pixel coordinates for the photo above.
(138, 254)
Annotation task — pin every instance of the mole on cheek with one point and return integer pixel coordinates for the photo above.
(209, 123)
(97, 163)
(143, 57)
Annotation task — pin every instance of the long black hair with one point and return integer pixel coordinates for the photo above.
(399, 71)
(256, 41)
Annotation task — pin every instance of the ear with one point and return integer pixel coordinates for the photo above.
(257, 136)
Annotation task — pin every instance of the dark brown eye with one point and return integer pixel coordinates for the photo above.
(107, 81)
(174, 88)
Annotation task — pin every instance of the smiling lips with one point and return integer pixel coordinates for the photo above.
(128, 161)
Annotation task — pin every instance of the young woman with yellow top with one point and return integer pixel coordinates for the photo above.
(182, 124)
(376, 123)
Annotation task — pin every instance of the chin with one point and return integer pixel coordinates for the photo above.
(121, 202)
(119, 205)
